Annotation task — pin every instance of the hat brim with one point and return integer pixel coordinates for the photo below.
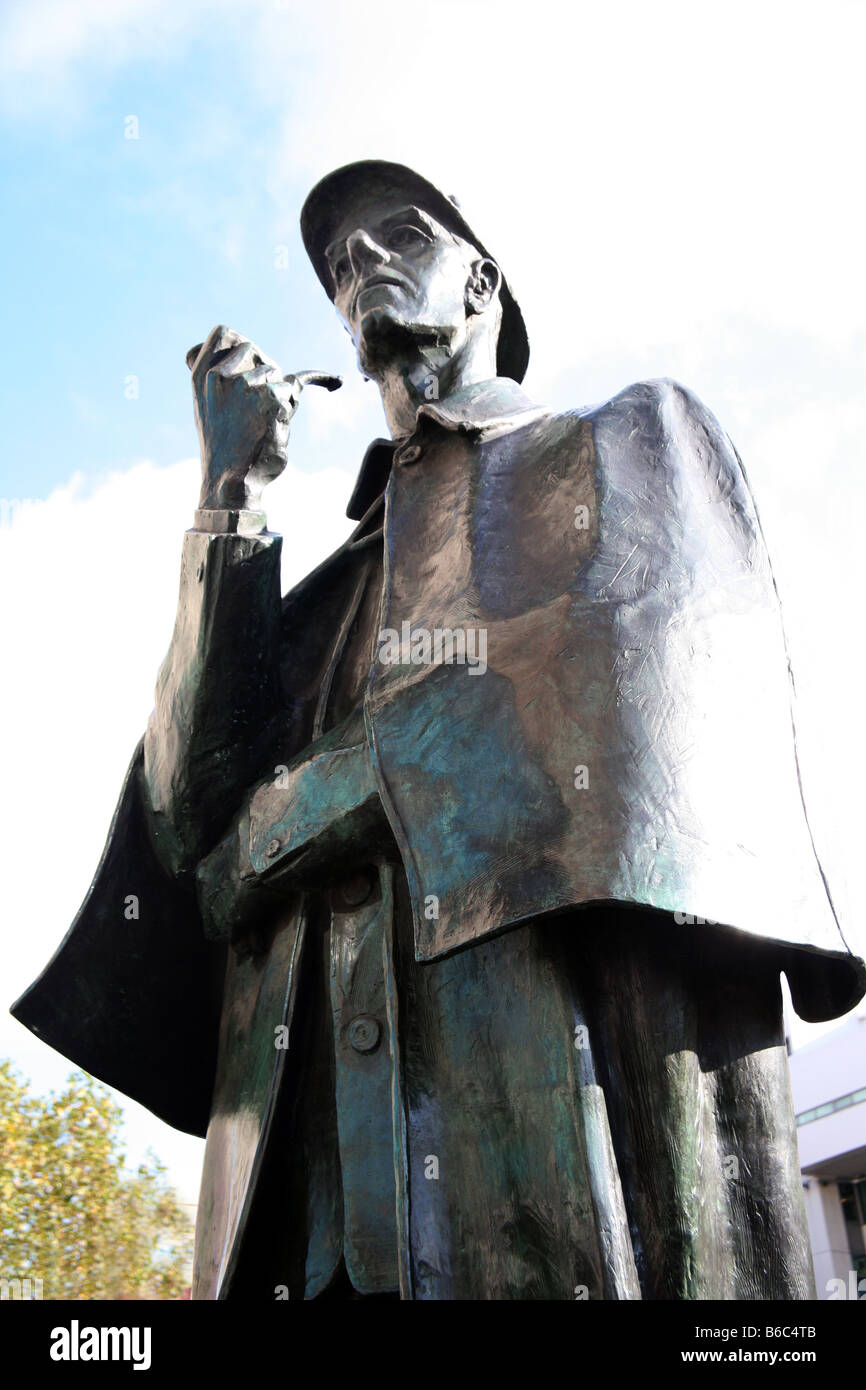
(331, 200)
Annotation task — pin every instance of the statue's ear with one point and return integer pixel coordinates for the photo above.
(485, 277)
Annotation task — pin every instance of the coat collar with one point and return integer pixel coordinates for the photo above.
(484, 410)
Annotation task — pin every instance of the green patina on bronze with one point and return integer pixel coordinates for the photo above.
(414, 945)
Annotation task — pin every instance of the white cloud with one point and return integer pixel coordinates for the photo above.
(48, 48)
(90, 580)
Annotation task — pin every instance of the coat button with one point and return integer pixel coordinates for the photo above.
(273, 848)
(410, 454)
(353, 891)
(364, 1033)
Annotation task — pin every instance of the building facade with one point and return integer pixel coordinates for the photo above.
(828, 1077)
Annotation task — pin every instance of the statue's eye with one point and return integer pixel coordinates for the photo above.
(405, 237)
(341, 269)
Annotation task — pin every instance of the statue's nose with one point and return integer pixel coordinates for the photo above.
(363, 250)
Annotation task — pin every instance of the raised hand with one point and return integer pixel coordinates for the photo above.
(243, 407)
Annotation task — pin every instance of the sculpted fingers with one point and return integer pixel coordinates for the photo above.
(220, 341)
(261, 393)
(286, 395)
(228, 353)
(264, 375)
(234, 361)
(241, 359)
(243, 407)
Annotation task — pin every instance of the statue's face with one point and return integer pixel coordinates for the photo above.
(399, 277)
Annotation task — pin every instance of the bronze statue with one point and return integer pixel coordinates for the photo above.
(465, 872)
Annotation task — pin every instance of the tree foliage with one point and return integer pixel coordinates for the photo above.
(71, 1215)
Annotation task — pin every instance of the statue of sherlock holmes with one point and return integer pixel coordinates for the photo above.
(467, 869)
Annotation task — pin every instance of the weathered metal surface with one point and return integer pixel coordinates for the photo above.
(365, 1052)
(133, 992)
(611, 1115)
(502, 1069)
(646, 648)
(258, 1003)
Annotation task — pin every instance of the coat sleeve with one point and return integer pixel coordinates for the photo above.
(218, 692)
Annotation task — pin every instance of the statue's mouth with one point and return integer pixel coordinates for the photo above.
(373, 282)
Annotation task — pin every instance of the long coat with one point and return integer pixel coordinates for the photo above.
(629, 742)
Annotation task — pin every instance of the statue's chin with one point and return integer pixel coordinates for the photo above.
(388, 341)
(383, 340)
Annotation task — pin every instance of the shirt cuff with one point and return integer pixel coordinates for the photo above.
(241, 523)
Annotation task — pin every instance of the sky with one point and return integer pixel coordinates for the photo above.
(672, 189)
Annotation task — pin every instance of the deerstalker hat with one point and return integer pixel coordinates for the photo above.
(331, 201)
